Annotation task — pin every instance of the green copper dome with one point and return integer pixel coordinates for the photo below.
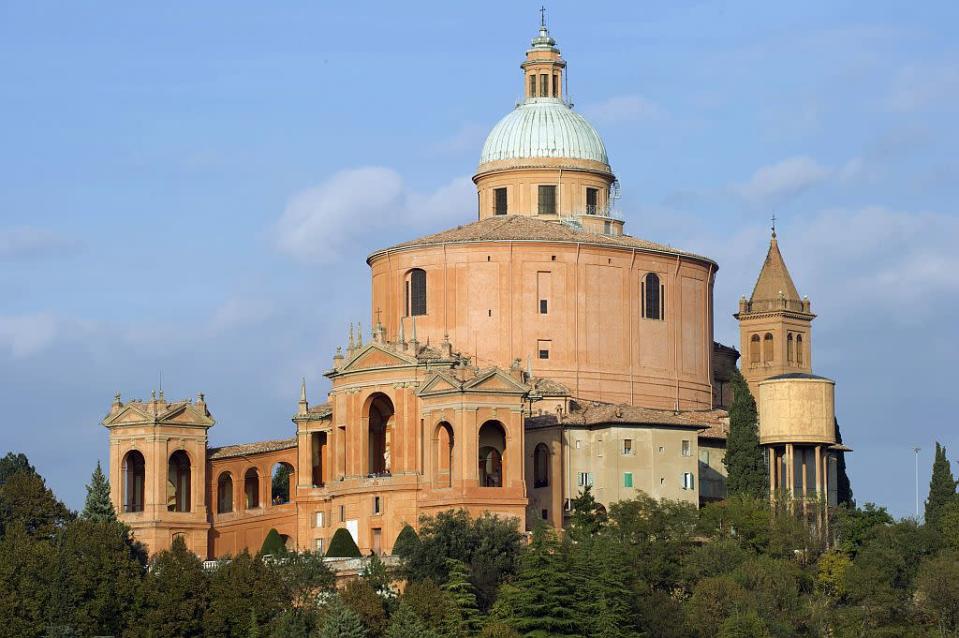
(540, 128)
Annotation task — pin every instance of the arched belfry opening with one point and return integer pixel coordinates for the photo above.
(379, 419)
(178, 482)
(224, 493)
(318, 458)
(282, 481)
(251, 488)
(492, 450)
(443, 460)
(541, 466)
(134, 481)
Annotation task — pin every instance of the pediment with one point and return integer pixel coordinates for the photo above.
(129, 414)
(186, 414)
(375, 356)
(495, 381)
(439, 383)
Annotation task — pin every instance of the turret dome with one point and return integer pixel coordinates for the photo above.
(543, 127)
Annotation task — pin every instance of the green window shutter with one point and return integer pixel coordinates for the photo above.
(627, 479)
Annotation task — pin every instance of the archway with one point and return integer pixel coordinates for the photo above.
(178, 482)
(251, 488)
(443, 457)
(492, 448)
(281, 484)
(134, 480)
(541, 466)
(379, 417)
(318, 452)
(224, 493)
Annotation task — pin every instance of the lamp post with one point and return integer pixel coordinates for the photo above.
(916, 451)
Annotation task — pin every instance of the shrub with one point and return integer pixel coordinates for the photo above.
(342, 545)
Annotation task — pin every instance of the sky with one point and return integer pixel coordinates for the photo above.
(189, 190)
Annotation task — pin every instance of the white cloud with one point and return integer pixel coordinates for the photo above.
(326, 221)
(30, 242)
(24, 335)
(782, 180)
(623, 108)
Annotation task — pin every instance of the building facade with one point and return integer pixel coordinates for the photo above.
(512, 362)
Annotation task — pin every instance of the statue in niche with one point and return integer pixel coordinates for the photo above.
(386, 458)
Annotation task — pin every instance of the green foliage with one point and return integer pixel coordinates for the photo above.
(843, 486)
(586, 519)
(280, 484)
(489, 545)
(98, 506)
(13, 463)
(948, 525)
(466, 618)
(747, 625)
(26, 575)
(942, 487)
(542, 599)
(359, 596)
(856, 526)
(714, 600)
(406, 624)
(378, 576)
(342, 545)
(25, 499)
(273, 544)
(340, 621)
(175, 594)
(498, 630)
(831, 574)
(744, 461)
(937, 591)
(406, 542)
(238, 588)
(433, 605)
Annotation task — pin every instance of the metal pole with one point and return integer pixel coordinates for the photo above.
(916, 451)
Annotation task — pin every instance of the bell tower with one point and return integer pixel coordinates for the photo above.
(775, 324)
(158, 469)
(544, 66)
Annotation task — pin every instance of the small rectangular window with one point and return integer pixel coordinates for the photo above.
(589, 478)
(546, 200)
(584, 479)
(687, 449)
(532, 86)
(578, 443)
(592, 195)
(499, 195)
(555, 86)
(319, 546)
(319, 520)
(543, 85)
(543, 347)
(688, 481)
(627, 479)
(627, 446)
(543, 307)
(342, 513)
(545, 514)
(377, 505)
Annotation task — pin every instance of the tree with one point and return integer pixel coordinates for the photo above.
(341, 622)
(25, 498)
(98, 506)
(748, 625)
(238, 588)
(280, 484)
(949, 525)
(843, 486)
(26, 572)
(406, 542)
(342, 545)
(831, 574)
(542, 599)
(13, 463)
(273, 545)
(433, 605)
(175, 594)
(744, 461)
(460, 591)
(713, 601)
(378, 576)
(942, 487)
(406, 624)
(359, 596)
(854, 527)
(937, 591)
(585, 519)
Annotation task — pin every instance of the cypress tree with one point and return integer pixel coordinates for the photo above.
(175, 594)
(341, 622)
(942, 486)
(272, 545)
(406, 624)
(585, 520)
(98, 506)
(745, 468)
(843, 486)
(406, 542)
(342, 545)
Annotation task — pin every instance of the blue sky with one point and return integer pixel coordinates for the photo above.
(192, 188)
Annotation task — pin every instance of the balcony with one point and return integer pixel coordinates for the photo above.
(599, 211)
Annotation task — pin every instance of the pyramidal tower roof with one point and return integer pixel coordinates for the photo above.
(774, 289)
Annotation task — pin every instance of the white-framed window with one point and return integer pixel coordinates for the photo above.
(320, 520)
(627, 446)
(688, 481)
(584, 479)
(377, 505)
(319, 546)
(687, 448)
(578, 443)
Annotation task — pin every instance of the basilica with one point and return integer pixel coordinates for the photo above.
(511, 363)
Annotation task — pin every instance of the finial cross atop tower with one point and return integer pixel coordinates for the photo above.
(542, 16)
(774, 224)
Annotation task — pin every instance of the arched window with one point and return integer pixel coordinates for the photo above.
(416, 292)
(754, 349)
(443, 473)
(799, 350)
(224, 493)
(768, 348)
(790, 350)
(178, 482)
(541, 466)
(134, 480)
(492, 447)
(281, 483)
(251, 488)
(653, 295)
(318, 460)
(380, 414)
